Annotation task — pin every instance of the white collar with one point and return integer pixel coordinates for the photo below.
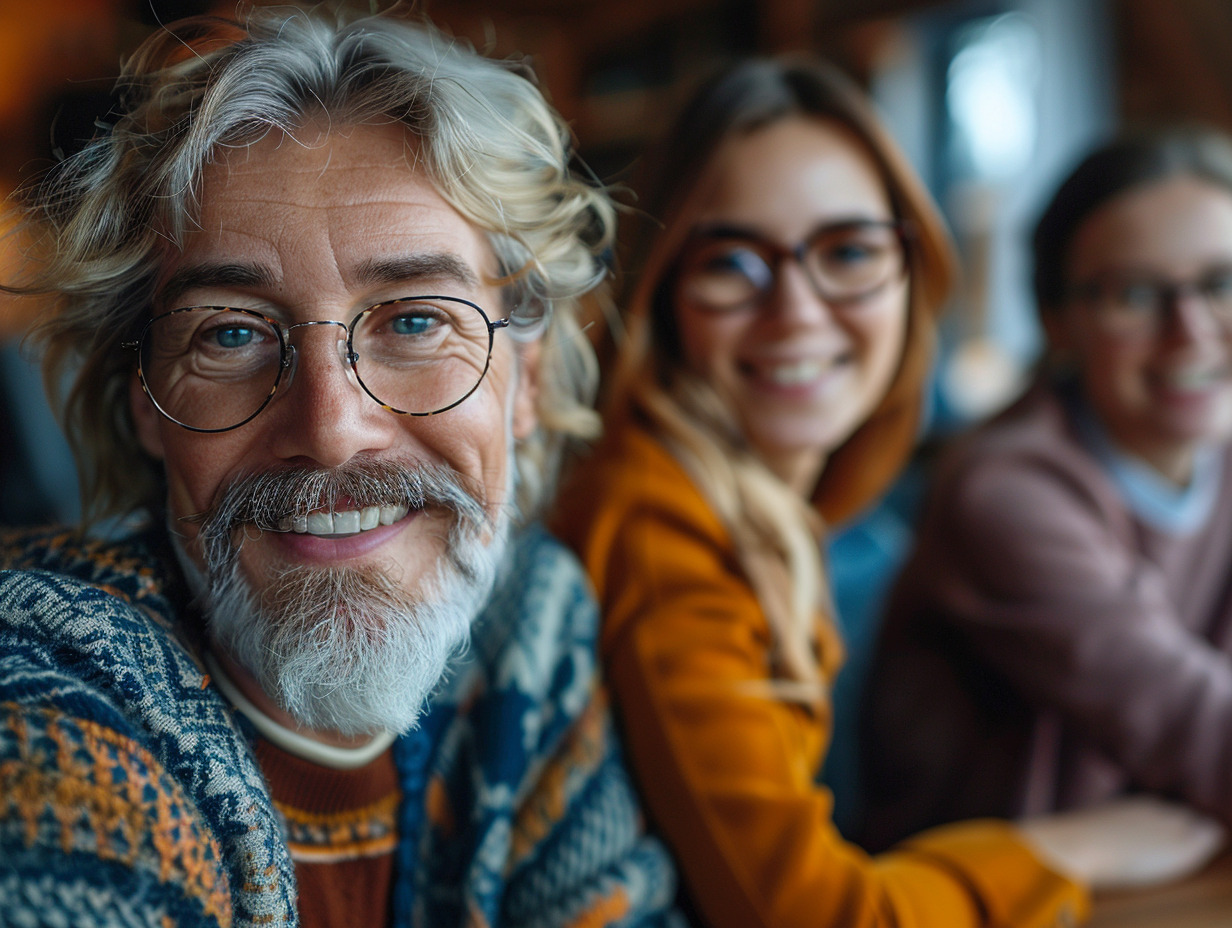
(291, 741)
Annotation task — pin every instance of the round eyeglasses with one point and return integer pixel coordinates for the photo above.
(728, 269)
(214, 368)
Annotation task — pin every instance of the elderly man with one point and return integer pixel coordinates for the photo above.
(318, 287)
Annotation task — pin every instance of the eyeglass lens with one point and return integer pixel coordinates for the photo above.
(844, 262)
(214, 368)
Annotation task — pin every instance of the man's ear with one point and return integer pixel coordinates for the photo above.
(526, 391)
(145, 418)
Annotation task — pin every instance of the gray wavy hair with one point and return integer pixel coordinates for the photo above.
(99, 223)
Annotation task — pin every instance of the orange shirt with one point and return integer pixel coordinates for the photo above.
(729, 773)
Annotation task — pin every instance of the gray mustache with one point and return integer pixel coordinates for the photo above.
(269, 501)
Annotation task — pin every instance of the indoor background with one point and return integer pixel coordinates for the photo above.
(993, 100)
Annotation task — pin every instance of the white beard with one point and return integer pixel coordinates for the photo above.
(347, 650)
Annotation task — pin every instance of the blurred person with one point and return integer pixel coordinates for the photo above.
(317, 290)
(1063, 631)
(778, 346)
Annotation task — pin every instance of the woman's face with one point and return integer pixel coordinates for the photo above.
(1155, 362)
(791, 291)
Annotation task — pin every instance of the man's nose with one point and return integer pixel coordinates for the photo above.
(323, 414)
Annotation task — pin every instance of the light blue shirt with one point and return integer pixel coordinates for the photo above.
(1152, 498)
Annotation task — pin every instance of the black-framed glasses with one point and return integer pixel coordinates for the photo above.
(725, 269)
(214, 368)
(1137, 305)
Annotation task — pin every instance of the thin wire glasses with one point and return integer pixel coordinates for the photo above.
(214, 368)
(1137, 305)
(728, 269)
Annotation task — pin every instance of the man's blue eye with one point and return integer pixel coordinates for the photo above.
(410, 324)
(234, 337)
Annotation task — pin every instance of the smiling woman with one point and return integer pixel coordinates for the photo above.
(778, 347)
(1067, 608)
(804, 356)
(1148, 324)
(779, 341)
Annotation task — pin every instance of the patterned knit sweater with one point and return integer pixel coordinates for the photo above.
(129, 793)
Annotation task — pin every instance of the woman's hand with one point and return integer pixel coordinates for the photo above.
(1127, 843)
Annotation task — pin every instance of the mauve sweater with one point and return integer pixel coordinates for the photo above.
(1045, 648)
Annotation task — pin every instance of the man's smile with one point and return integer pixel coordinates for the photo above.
(344, 522)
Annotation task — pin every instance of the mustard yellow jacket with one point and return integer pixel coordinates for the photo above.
(728, 772)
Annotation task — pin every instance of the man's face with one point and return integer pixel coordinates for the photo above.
(321, 229)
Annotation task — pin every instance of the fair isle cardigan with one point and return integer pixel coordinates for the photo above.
(129, 794)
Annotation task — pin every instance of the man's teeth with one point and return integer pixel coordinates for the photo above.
(792, 375)
(345, 522)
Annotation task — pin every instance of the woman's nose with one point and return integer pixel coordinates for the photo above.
(1189, 316)
(795, 300)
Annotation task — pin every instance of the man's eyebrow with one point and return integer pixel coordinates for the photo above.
(442, 266)
(439, 266)
(231, 274)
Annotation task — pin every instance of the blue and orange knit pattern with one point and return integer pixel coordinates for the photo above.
(129, 794)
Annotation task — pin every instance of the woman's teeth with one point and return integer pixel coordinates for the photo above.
(792, 375)
(345, 522)
(1190, 379)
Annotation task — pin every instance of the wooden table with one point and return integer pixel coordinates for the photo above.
(1202, 901)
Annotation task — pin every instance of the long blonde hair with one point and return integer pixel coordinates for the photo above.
(775, 531)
